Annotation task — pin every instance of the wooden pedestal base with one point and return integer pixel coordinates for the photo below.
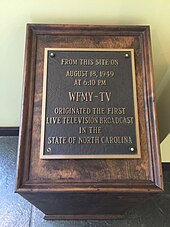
(98, 187)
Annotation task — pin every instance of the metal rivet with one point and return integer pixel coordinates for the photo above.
(126, 55)
(49, 149)
(132, 149)
(52, 55)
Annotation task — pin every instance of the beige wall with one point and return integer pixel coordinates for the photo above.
(14, 14)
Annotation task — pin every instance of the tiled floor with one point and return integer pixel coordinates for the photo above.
(17, 212)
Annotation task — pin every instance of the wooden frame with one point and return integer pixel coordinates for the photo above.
(83, 189)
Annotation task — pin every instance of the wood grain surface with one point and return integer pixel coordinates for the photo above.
(87, 187)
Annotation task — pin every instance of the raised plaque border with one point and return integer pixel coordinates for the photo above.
(115, 156)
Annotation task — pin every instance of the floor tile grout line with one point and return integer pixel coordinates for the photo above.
(30, 221)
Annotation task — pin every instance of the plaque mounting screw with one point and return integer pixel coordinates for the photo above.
(126, 55)
(52, 55)
(132, 149)
(48, 149)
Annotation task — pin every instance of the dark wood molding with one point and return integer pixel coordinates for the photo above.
(9, 131)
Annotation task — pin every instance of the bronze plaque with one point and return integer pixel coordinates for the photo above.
(89, 104)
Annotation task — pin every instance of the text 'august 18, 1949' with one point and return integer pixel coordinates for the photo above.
(89, 104)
